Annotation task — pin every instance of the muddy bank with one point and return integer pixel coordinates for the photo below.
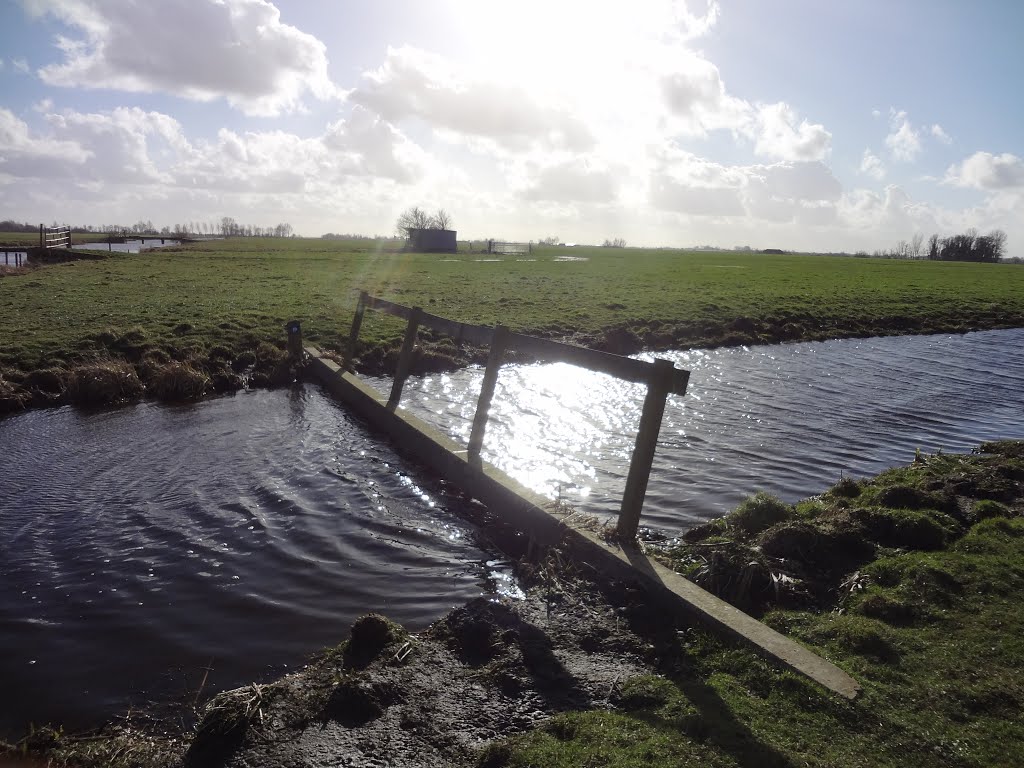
(463, 691)
(122, 366)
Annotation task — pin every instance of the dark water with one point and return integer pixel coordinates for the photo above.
(145, 544)
(789, 419)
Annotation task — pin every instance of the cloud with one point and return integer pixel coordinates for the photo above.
(22, 154)
(579, 180)
(940, 134)
(414, 83)
(238, 50)
(989, 172)
(779, 136)
(20, 65)
(695, 96)
(903, 141)
(871, 165)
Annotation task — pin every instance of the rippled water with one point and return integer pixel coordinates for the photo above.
(789, 419)
(144, 544)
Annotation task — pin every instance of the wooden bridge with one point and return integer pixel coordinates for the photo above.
(531, 513)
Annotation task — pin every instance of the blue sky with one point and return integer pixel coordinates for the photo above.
(793, 123)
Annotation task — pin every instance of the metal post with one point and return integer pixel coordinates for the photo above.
(499, 342)
(658, 387)
(405, 357)
(294, 331)
(353, 335)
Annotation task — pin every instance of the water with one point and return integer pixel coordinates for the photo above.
(144, 544)
(131, 246)
(789, 419)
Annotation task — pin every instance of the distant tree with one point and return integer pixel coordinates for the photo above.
(412, 218)
(616, 242)
(553, 240)
(917, 246)
(442, 219)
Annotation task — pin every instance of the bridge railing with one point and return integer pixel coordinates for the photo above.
(661, 378)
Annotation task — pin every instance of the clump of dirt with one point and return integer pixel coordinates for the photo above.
(490, 668)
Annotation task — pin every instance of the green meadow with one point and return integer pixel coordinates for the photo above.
(241, 291)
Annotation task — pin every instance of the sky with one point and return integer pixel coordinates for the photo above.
(795, 124)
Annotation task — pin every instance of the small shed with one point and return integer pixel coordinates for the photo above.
(432, 240)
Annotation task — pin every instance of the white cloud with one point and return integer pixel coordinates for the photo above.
(22, 154)
(239, 50)
(20, 65)
(779, 136)
(940, 134)
(989, 172)
(871, 165)
(414, 83)
(575, 180)
(903, 141)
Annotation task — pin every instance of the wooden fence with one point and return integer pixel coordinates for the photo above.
(504, 248)
(661, 377)
(54, 237)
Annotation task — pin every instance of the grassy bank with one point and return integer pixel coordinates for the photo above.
(209, 304)
(911, 581)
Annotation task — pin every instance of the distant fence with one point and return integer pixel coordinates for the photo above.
(54, 237)
(497, 246)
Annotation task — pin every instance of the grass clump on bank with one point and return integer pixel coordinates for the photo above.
(188, 302)
(924, 611)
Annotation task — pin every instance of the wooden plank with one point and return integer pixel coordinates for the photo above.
(477, 335)
(637, 371)
(405, 357)
(483, 405)
(643, 453)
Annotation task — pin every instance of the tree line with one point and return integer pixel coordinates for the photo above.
(969, 246)
(226, 227)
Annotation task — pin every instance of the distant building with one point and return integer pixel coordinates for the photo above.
(774, 251)
(432, 240)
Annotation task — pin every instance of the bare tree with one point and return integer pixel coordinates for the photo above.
(442, 219)
(917, 246)
(413, 218)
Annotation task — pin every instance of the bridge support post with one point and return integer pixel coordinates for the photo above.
(294, 331)
(658, 388)
(499, 343)
(405, 357)
(353, 334)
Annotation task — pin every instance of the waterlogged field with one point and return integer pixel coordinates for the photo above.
(236, 293)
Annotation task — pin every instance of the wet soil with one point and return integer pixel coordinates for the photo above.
(489, 669)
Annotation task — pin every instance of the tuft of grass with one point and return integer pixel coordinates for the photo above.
(758, 513)
(104, 382)
(178, 381)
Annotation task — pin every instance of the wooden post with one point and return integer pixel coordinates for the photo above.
(643, 453)
(42, 242)
(353, 335)
(405, 357)
(294, 331)
(494, 359)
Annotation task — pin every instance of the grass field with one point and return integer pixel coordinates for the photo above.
(231, 295)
